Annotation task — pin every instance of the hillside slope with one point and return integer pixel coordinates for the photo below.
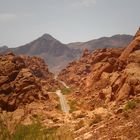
(106, 83)
(105, 68)
(104, 42)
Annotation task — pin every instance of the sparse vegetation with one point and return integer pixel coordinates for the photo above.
(28, 132)
(72, 105)
(66, 91)
(35, 131)
(38, 132)
(130, 105)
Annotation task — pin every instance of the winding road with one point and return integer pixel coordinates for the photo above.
(63, 102)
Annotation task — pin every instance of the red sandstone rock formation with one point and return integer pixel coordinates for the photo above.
(21, 80)
(113, 73)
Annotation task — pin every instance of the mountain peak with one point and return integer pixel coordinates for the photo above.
(47, 36)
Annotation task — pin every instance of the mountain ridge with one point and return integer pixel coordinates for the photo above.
(123, 39)
(58, 55)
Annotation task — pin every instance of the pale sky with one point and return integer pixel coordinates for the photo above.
(22, 21)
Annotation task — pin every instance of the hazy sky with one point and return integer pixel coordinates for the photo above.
(22, 21)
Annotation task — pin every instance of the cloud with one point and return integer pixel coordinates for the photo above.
(4, 17)
(84, 3)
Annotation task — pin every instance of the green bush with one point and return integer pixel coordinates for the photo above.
(37, 132)
(130, 105)
(34, 131)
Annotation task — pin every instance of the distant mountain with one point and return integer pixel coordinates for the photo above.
(3, 49)
(58, 55)
(104, 42)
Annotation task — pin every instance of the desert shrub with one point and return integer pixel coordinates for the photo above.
(28, 132)
(66, 91)
(130, 105)
(38, 132)
(35, 131)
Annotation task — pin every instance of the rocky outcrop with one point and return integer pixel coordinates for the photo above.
(23, 80)
(109, 74)
(132, 47)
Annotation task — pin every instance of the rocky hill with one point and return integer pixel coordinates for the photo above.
(111, 69)
(106, 83)
(22, 81)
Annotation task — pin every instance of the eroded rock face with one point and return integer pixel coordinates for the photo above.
(38, 67)
(111, 74)
(21, 80)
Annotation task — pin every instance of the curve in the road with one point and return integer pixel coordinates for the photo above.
(63, 102)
